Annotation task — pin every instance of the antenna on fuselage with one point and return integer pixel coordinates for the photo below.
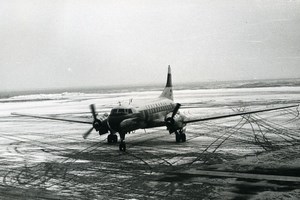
(130, 101)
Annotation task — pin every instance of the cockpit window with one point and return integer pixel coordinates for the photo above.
(121, 111)
(114, 111)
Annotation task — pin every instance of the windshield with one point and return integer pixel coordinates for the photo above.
(121, 111)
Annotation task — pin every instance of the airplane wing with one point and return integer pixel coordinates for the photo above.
(52, 118)
(237, 114)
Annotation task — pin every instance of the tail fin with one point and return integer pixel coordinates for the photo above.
(168, 91)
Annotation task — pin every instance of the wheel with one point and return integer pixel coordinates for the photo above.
(114, 138)
(177, 137)
(109, 138)
(122, 146)
(183, 137)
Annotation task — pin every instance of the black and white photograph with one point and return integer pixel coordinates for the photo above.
(150, 99)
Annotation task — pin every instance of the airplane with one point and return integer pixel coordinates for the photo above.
(158, 112)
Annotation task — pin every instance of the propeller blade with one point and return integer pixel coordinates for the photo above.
(93, 109)
(85, 135)
(176, 109)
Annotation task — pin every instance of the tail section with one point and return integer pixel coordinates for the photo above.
(168, 91)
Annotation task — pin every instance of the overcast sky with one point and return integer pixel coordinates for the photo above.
(46, 44)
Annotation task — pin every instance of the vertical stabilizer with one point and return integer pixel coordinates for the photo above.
(168, 91)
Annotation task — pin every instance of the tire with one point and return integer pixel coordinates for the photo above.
(183, 137)
(177, 137)
(122, 146)
(109, 139)
(115, 139)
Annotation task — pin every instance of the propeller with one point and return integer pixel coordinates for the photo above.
(176, 110)
(86, 134)
(96, 123)
(93, 110)
(170, 120)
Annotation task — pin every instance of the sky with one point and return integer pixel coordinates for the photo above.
(81, 43)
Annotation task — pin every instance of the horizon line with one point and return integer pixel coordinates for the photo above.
(133, 85)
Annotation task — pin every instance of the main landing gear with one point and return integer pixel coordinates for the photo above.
(112, 138)
(180, 135)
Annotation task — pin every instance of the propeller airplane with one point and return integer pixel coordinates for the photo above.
(158, 112)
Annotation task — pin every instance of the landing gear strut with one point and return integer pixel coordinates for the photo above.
(122, 145)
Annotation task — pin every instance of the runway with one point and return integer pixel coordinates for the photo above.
(44, 159)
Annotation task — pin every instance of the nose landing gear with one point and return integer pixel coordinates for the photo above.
(122, 145)
(113, 138)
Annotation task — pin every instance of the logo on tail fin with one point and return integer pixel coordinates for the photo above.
(168, 91)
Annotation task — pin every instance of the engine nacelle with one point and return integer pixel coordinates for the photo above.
(103, 130)
(101, 126)
(175, 123)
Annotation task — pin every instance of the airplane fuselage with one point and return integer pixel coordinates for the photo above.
(133, 117)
